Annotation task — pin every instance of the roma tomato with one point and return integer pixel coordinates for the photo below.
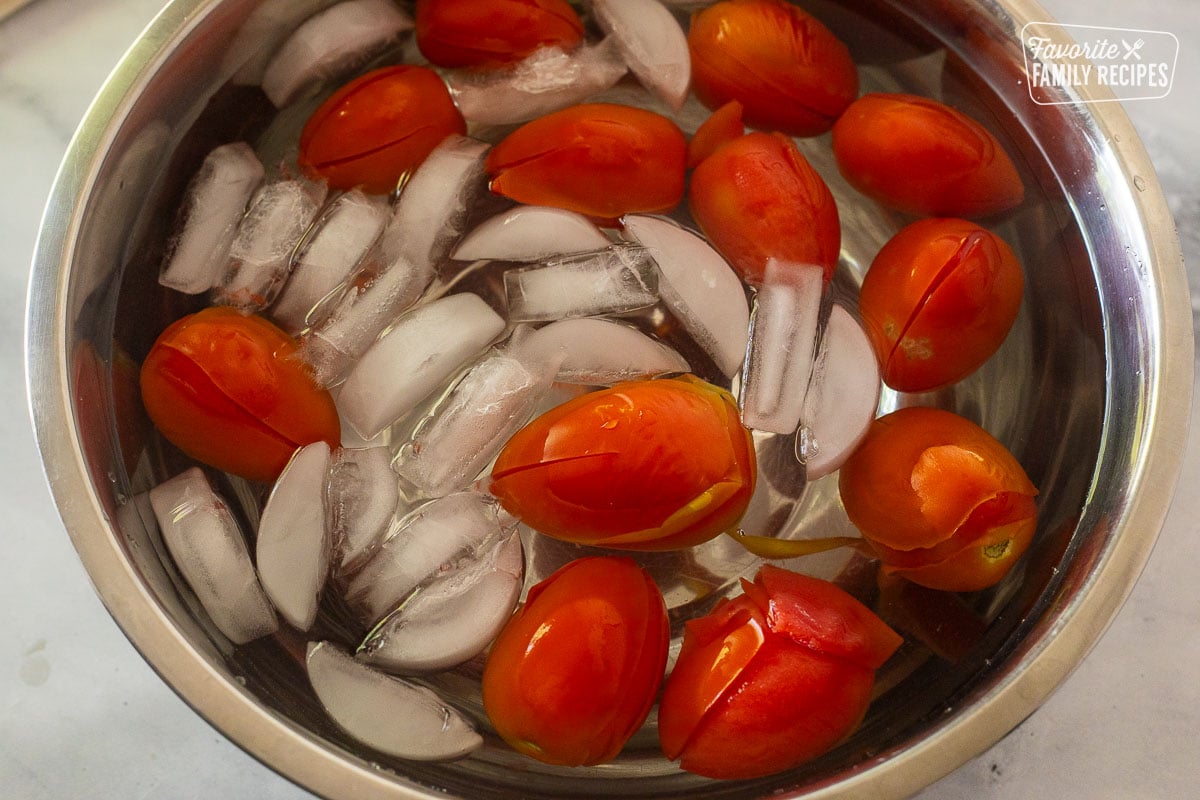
(758, 198)
(791, 74)
(576, 670)
(645, 465)
(599, 159)
(722, 127)
(475, 33)
(377, 128)
(938, 301)
(230, 391)
(772, 678)
(940, 501)
(917, 155)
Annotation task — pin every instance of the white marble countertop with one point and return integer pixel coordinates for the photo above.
(83, 716)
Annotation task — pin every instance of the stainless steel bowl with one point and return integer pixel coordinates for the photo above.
(1091, 392)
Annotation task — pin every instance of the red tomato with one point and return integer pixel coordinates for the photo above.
(772, 678)
(785, 67)
(757, 198)
(920, 156)
(599, 159)
(230, 391)
(473, 33)
(723, 126)
(575, 672)
(938, 301)
(645, 465)
(377, 128)
(939, 499)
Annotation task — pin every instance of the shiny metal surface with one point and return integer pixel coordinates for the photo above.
(1090, 392)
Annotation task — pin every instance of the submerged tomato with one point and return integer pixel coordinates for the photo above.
(722, 127)
(757, 198)
(230, 391)
(939, 499)
(920, 156)
(772, 678)
(599, 159)
(377, 128)
(645, 465)
(791, 74)
(473, 33)
(575, 672)
(938, 301)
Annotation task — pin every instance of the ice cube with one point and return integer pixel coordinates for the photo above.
(342, 236)
(363, 496)
(620, 278)
(453, 618)
(293, 544)
(652, 43)
(495, 398)
(259, 37)
(598, 352)
(700, 288)
(385, 713)
(212, 207)
(207, 545)
(545, 81)
(438, 537)
(530, 233)
(784, 331)
(332, 43)
(261, 254)
(415, 357)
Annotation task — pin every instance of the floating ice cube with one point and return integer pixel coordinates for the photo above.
(453, 618)
(622, 277)
(212, 207)
(293, 537)
(440, 536)
(843, 396)
(419, 353)
(207, 545)
(530, 233)
(782, 346)
(342, 236)
(363, 495)
(261, 254)
(652, 43)
(385, 713)
(598, 352)
(334, 42)
(259, 37)
(699, 286)
(545, 81)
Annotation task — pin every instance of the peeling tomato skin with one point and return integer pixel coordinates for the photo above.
(377, 128)
(485, 33)
(724, 125)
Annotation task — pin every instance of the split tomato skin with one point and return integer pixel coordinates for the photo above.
(723, 126)
(644, 465)
(772, 678)
(379, 127)
(938, 301)
(923, 157)
(757, 198)
(231, 391)
(599, 159)
(576, 670)
(787, 69)
(940, 501)
(482, 33)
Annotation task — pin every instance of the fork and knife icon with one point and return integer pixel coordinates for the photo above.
(1133, 50)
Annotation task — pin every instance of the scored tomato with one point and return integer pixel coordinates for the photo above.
(757, 198)
(576, 670)
(379, 127)
(600, 159)
(923, 157)
(645, 465)
(477, 33)
(772, 678)
(940, 501)
(938, 301)
(231, 391)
